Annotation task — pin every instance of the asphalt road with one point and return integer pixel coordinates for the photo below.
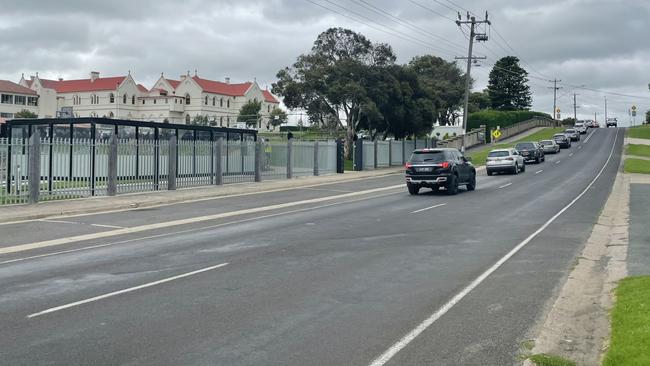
(336, 274)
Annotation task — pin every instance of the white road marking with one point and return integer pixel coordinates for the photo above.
(571, 154)
(205, 199)
(108, 226)
(558, 162)
(126, 290)
(326, 190)
(539, 171)
(410, 336)
(61, 222)
(191, 220)
(579, 147)
(588, 137)
(193, 230)
(505, 185)
(428, 208)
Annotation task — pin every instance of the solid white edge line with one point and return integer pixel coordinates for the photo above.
(428, 208)
(124, 291)
(410, 336)
(539, 171)
(257, 218)
(108, 226)
(506, 185)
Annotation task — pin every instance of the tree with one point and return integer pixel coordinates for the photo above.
(647, 117)
(508, 87)
(479, 101)
(328, 82)
(200, 120)
(25, 114)
(250, 113)
(444, 83)
(277, 117)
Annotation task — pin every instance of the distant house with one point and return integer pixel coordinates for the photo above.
(15, 98)
(168, 100)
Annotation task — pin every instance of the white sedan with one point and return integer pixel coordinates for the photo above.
(504, 160)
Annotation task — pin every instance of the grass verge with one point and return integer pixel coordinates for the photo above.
(630, 344)
(638, 150)
(640, 132)
(543, 359)
(479, 157)
(637, 166)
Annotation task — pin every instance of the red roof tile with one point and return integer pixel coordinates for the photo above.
(11, 87)
(83, 85)
(142, 89)
(217, 87)
(174, 83)
(269, 97)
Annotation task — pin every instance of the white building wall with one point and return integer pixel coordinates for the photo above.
(8, 110)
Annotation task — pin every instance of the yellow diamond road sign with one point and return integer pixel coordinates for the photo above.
(634, 108)
(496, 134)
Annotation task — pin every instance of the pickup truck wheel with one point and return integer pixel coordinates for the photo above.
(413, 189)
(452, 186)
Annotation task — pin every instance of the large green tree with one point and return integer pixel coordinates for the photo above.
(647, 117)
(507, 87)
(250, 113)
(479, 101)
(330, 82)
(277, 117)
(444, 84)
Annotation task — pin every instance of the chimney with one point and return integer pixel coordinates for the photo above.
(94, 75)
(60, 79)
(227, 80)
(32, 77)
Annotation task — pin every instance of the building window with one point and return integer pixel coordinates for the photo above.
(33, 101)
(7, 99)
(111, 115)
(92, 99)
(143, 101)
(221, 102)
(187, 99)
(133, 99)
(228, 103)
(206, 100)
(165, 100)
(268, 109)
(154, 100)
(124, 98)
(214, 100)
(221, 121)
(6, 115)
(111, 98)
(20, 99)
(187, 119)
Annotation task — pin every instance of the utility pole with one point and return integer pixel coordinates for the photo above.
(575, 108)
(605, 109)
(480, 37)
(555, 89)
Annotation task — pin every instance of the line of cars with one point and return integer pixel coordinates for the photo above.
(448, 168)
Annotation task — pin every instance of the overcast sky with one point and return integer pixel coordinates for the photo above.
(602, 44)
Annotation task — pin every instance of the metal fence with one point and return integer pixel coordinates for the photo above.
(53, 169)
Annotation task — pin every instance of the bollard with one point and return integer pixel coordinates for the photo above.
(340, 157)
(403, 152)
(171, 164)
(218, 161)
(34, 167)
(289, 159)
(258, 161)
(358, 155)
(111, 181)
(376, 143)
(316, 159)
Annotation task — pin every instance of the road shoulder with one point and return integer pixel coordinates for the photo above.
(577, 326)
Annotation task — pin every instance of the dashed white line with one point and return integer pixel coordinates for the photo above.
(558, 162)
(579, 147)
(61, 222)
(571, 154)
(539, 171)
(126, 290)
(108, 226)
(428, 208)
(505, 185)
(410, 336)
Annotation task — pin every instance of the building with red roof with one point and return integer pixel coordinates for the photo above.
(15, 98)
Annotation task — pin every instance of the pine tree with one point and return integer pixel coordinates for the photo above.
(507, 88)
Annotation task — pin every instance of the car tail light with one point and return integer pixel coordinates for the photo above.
(445, 165)
(408, 165)
(510, 158)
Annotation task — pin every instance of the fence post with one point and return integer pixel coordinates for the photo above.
(316, 158)
(390, 152)
(376, 143)
(34, 172)
(289, 160)
(171, 163)
(218, 161)
(258, 161)
(111, 181)
(403, 152)
(358, 155)
(340, 157)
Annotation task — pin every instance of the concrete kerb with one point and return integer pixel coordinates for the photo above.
(52, 209)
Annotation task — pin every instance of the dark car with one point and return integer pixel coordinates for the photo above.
(531, 151)
(439, 168)
(562, 140)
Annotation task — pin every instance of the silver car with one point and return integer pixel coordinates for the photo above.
(504, 160)
(550, 146)
(572, 133)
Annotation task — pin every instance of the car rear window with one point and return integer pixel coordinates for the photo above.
(559, 137)
(570, 130)
(579, 124)
(498, 154)
(428, 157)
(525, 145)
(546, 142)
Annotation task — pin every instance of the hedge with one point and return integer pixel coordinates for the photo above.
(492, 119)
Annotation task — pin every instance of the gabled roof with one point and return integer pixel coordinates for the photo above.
(269, 98)
(83, 85)
(11, 87)
(217, 87)
(142, 88)
(174, 83)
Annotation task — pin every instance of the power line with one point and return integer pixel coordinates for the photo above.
(432, 10)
